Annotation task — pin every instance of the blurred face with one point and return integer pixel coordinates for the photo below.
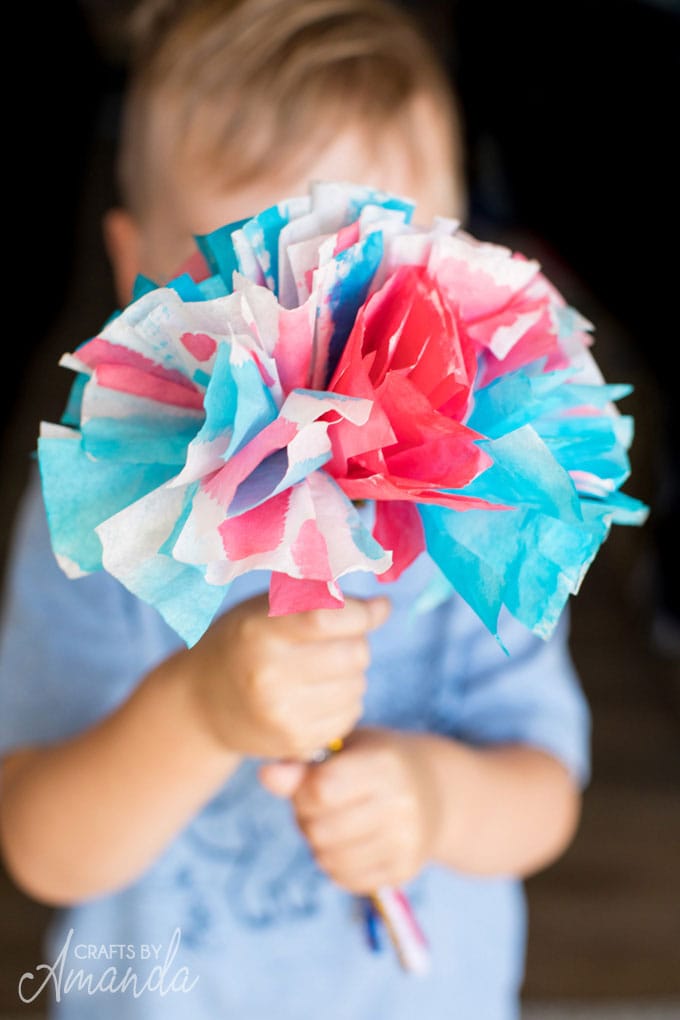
(187, 204)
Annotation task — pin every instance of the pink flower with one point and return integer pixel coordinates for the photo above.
(502, 302)
(408, 356)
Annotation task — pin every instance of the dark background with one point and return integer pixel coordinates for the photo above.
(570, 114)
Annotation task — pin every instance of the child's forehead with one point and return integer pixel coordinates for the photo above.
(197, 199)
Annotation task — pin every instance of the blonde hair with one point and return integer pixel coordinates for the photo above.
(251, 86)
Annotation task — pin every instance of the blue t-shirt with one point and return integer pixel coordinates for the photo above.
(234, 919)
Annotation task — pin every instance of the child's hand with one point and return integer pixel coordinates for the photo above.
(369, 813)
(286, 686)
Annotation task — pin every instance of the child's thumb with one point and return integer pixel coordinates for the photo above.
(282, 778)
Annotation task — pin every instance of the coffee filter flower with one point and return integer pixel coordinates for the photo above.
(323, 353)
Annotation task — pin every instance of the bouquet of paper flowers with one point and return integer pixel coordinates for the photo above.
(323, 353)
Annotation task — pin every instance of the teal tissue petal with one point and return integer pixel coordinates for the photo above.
(616, 507)
(520, 398)
(72, 411)
(179, 592)
(140, 439)
(581, 395)
(524, 472)
(587, 443)
(214, 287)
(369, 196)
(167, 547)
(217, 249)
(143, 285)
(186, 287)
(354, 268)
(550, 560)
(511, 401)
(255, 406)
(141, 558)
(522, 559)
(80, 493)
(529, 558)
(361, 535)
(263, 233)
(475, 581)
(569, 321)
(237, 402)
(624, 429)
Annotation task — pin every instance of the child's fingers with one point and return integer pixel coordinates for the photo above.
(346, 778)
(324, 730)
(328, 660)
(356, 617)
(322, 705)
(360, 867)
(357, 820)
(327, 791)
(365, 882)
(282, 778)
(336, 695)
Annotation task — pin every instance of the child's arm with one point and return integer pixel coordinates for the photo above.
(515, 809)
(89, 814)
(393, 801)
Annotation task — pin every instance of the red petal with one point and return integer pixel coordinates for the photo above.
(398, 527)
(291, 595)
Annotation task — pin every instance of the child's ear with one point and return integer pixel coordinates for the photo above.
(122, 239)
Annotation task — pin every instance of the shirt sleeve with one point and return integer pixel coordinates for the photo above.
(531, 695)
(70, 650)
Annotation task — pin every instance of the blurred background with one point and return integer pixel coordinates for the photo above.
(570, 113)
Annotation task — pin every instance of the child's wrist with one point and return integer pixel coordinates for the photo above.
(449, 767)
(179, 683)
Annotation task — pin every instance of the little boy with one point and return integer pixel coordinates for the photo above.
(156, 794)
